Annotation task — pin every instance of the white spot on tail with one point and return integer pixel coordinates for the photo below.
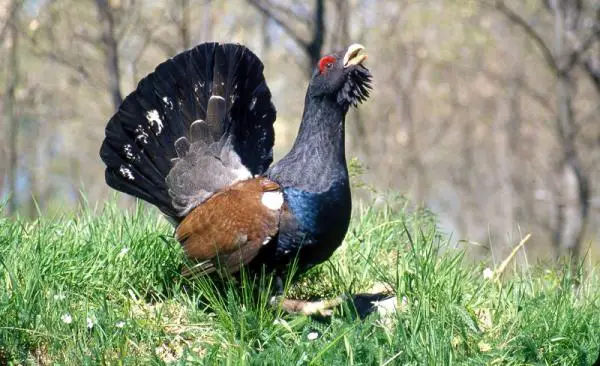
(272, 200)
(199, 85)
(141, 135)
(168, 102)
(126, 173)
(127, 149)
(154, 120)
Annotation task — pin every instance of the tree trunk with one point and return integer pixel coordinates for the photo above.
(408, 77)
(573, 206)
(312, 48)
(265, 36)
(111, 51)
(574, 199)
(208, 21)
(341, 37)
(514, 152)
(315, 47)
(184, 25)
(11, 108)
(414, 156)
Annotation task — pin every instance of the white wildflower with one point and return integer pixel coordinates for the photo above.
(120, 324)
(90, 322)
(66, 318)
(484, 347)
(312, 336)
(59, 296)
(404, 304)
(303, 358)
(122, 252)
(488, 274)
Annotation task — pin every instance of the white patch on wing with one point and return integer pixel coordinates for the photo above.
(252, 103)
(272, 200)
(154, 120)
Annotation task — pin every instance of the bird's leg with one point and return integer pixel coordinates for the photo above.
(305, 307)
(321, 307)
(379, 299)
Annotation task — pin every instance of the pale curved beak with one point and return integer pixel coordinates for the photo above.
(354, 56)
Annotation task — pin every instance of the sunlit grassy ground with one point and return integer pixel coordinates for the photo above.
(103, 287)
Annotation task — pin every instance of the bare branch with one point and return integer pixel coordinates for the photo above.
(57, 57)
(534, 94)
(4, 29)
(581, 47)
(289, 30)
(532, 33)
(593, 73)
(168, 48)
(291, 12)
(16, 6)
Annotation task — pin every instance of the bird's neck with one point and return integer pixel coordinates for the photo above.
(317, 158)
(321, 130)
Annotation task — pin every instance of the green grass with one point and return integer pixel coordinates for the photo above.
(119, 272)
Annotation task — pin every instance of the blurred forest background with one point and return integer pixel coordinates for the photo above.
(484, 111)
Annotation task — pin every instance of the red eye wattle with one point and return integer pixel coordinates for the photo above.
(325, 63)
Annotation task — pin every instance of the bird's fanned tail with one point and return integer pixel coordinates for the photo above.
(201, 121)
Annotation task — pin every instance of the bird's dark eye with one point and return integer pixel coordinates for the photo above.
(329, 65)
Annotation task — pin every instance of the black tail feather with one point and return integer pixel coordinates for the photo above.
(170, 117)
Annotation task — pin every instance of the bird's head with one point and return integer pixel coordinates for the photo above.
(343, 77)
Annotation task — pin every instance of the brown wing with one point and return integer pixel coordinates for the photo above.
(230, 227)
